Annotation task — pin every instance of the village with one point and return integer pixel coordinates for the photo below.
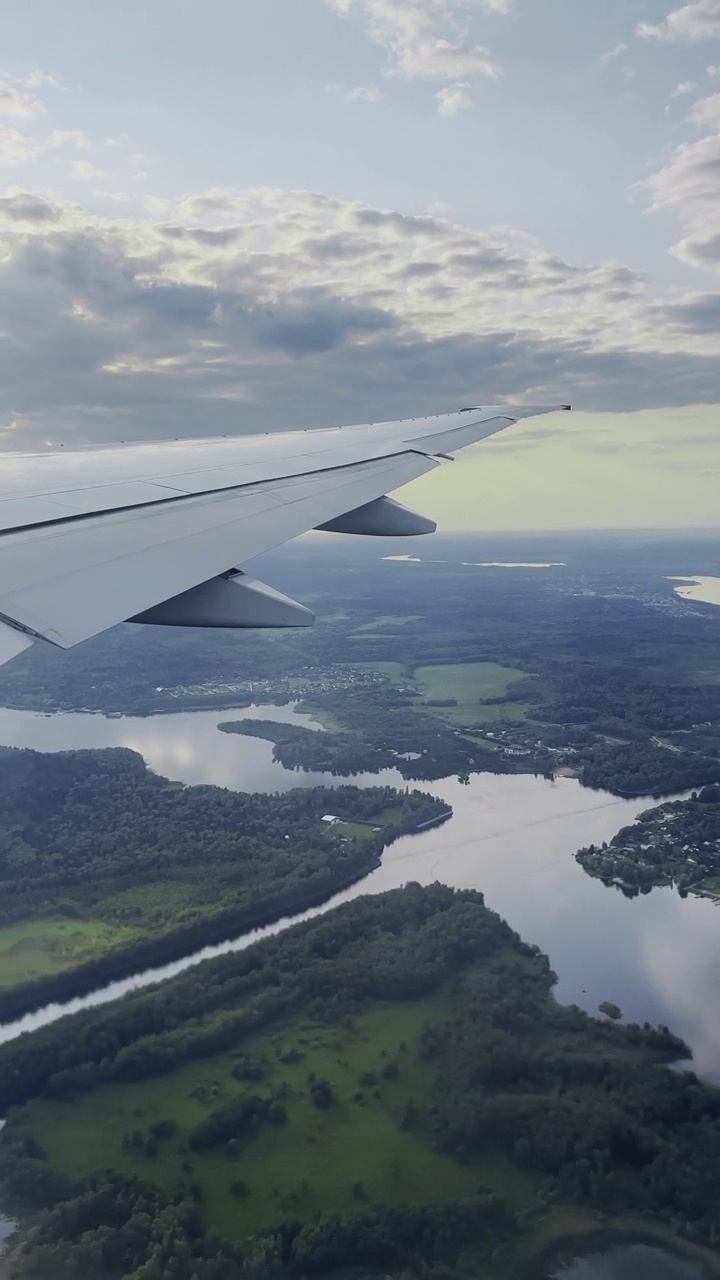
(675, 843)
(280, 689)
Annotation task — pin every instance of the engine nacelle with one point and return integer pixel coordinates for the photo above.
(232, 600)
(382, 518)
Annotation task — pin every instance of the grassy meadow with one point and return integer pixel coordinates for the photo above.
(467, 682)
(319, 1160)
(34, 948)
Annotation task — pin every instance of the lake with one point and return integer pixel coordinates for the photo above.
(511, 836)
(701, 588)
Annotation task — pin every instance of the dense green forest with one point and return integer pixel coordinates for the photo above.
(390, 1087)
(676, 843)
(94, 838)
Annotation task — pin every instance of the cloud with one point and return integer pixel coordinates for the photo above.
(698, 20)
(426, 39)
(454, 98)
(17, 101)
(616, 52)
(688, 183)
(681, 90)
(364, 93)
(696, 313)
(86, 169)
(22, 206)
(17, 148)
(231, 308)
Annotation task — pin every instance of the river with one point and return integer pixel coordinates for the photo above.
(512, 836)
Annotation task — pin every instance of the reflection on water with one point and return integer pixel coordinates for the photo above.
(628, 1262)
(186, 747)
(700, 588)
(512, 836)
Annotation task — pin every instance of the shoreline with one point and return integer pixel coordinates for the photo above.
(500, 767)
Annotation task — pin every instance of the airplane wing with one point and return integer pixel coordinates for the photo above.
(157, 532)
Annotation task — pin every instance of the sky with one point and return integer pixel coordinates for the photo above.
(237, 215)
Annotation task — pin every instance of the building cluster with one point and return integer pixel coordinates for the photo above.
(314, 680)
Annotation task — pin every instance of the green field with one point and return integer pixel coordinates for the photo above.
(320, 1160)
(468, 683)
(361, 830)
(33, 948)
(354, 830)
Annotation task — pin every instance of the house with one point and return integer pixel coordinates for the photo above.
(331, 818)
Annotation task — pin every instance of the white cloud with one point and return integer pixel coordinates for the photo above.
(120, 196)
(427, 38)
(16, 148)
(680, 90)
(616, 52)
(363, 93)
(453, 98)
(17, 101)
(698, 20)
(86, 169)
(75, 138)
(39, 79)
(706, 112)
(689, 185)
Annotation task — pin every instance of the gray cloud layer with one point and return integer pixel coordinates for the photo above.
(260, 309)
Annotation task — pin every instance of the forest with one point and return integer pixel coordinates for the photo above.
(491, 1108)
(382, 729)
(96, 836)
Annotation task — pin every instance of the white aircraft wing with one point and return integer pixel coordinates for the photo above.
(157, 532)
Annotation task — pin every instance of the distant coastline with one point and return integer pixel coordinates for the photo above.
(702, 589)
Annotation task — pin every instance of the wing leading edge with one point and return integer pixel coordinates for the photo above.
(157, 532)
